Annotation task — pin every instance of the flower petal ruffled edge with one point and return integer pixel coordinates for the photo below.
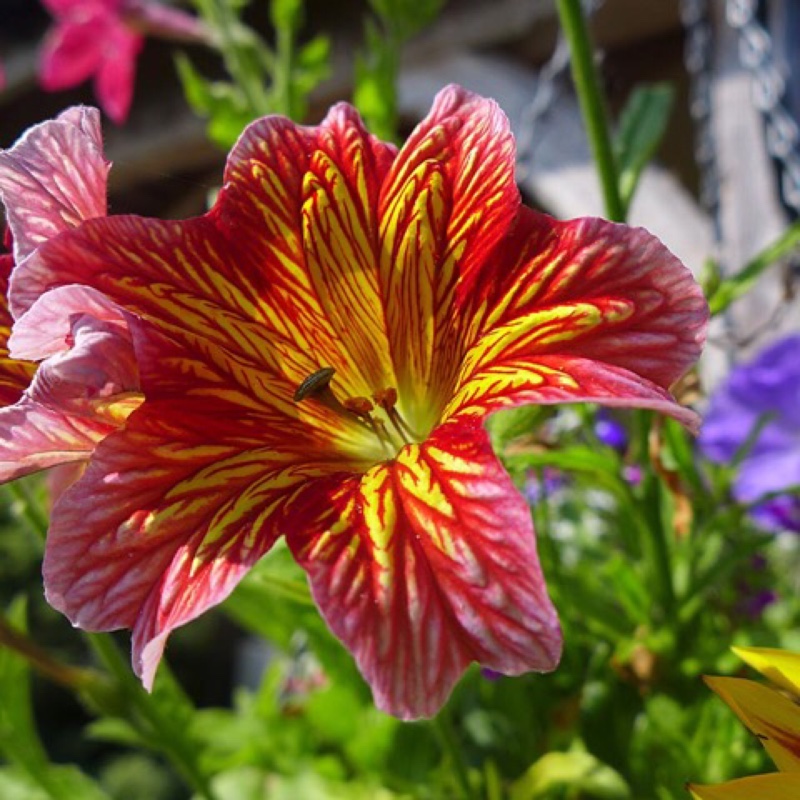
(425, 564)
(589, 311)
(53, 178)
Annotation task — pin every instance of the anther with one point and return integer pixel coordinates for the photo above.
(315, 384)
(359, 405)
(386, 398)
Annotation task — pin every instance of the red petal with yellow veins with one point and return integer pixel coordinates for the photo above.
(425, 564)
(308, 197)
(162, 525)
(15, 376)
(448, 199)
(589, 311)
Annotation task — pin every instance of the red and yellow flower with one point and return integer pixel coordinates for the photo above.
(317, 355)
(773, 715)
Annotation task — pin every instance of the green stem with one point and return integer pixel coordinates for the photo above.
(181, 751)
(657, 547)
(741, 283)
(443, 728)
(73, 678)
(282, 75)
(590, 96)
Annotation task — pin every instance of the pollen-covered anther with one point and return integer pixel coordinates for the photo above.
(359, 405)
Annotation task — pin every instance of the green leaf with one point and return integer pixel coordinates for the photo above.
(641, 128)
(223, 103)
(580, 772)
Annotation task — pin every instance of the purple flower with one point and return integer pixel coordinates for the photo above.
(610, 431)
(765, 391)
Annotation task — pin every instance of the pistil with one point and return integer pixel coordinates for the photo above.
(317, 387)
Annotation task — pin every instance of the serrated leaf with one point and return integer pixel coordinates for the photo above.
(641, 128)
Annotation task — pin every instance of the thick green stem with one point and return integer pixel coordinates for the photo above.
(593, 108)
(180, 750)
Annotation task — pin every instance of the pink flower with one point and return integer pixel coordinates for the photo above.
(52, 180)
(101, 39)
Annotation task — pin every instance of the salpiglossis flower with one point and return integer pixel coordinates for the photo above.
(318, 354)
(52, 180)
(773, 715)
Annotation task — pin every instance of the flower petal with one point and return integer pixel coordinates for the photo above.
(775, 786)
(15, 375)
(448, 199)
(425, 564)
(72, 50)
(590, 311)
(308, 198)
(116, 71)
(53, 178)
(780, 666)
(162, 525)
(83, 390)
(773, 718)
(34, 437)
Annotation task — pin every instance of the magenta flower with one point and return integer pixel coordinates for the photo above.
(318, 354)
(101, 39)
(51, 181)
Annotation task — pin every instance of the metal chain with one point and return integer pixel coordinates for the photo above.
(696, 18)
(757, 54)
(545, 95)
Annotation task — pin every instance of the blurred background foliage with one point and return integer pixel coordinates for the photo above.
(654, 566)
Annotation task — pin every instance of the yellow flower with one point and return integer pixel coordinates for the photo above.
(773, 715)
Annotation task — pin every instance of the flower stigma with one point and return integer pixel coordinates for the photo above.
(391, 430)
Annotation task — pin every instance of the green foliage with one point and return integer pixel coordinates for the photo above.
(378, 64)
(265, 80)
(641, 127)
(727, 291)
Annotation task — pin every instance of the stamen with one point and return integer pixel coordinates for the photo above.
(315, 384)
(387, 399)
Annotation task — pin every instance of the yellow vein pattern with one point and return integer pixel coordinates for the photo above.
(425, 564)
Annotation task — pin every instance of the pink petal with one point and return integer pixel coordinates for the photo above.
(116, 72)
(46, 328)
(34, 437)
(73, 49)
(425, 564)
(83, 390)
(157, 19)
(52, 179)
